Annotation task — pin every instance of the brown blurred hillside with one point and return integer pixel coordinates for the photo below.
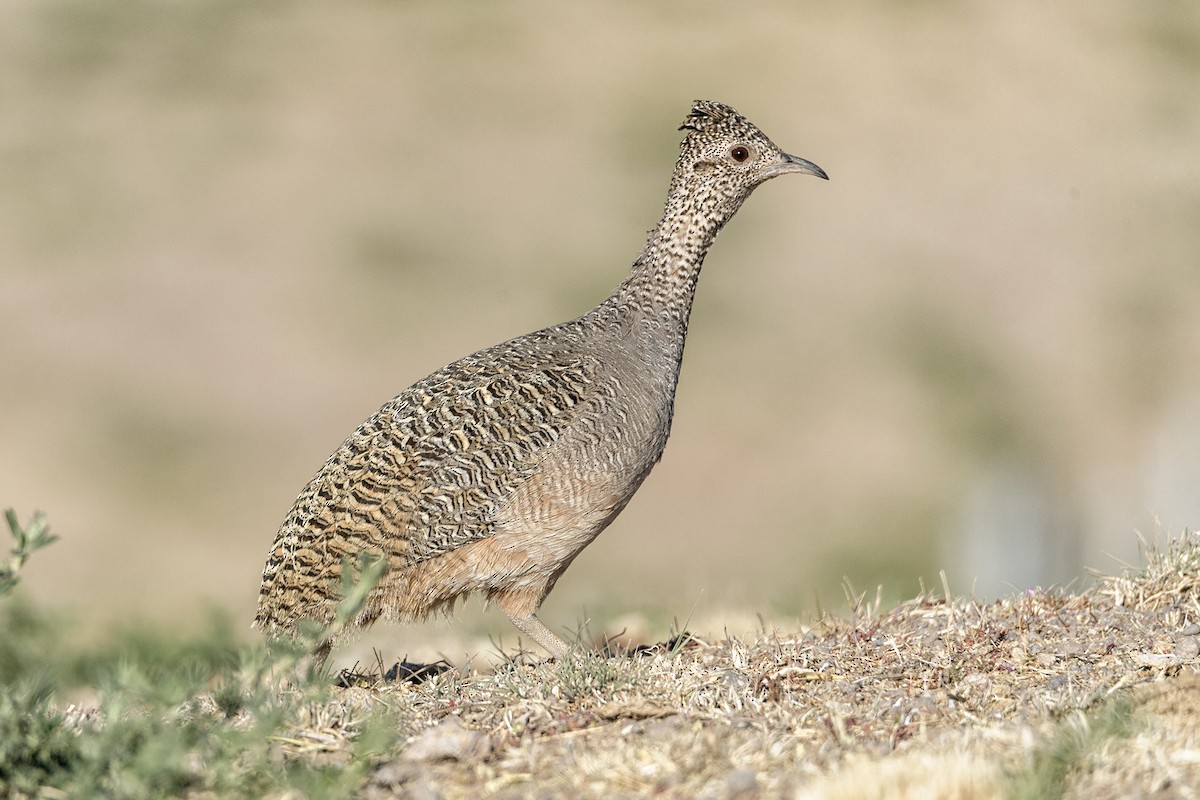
(229, 231)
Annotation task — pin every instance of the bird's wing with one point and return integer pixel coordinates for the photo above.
(425, 474)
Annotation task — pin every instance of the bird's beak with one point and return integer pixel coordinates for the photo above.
(798, 164)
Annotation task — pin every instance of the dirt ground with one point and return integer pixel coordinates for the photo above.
(1044, 694)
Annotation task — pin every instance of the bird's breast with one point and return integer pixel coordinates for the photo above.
(588, 476)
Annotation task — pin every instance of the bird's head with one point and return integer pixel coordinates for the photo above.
(727, 154)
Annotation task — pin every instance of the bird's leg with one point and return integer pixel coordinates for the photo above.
(535, 629)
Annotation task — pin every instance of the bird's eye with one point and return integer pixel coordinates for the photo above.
(739, 153)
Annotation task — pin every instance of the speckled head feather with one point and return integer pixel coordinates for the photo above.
(706, 113)
(731, 153)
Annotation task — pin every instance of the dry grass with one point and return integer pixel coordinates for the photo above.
(1043, 694)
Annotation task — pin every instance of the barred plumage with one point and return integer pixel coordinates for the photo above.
(494, 472)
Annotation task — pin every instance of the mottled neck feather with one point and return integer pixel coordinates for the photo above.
(662, 283)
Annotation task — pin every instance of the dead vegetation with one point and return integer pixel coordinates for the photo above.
(1044, 694)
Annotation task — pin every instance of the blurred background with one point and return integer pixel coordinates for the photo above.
(229, 231)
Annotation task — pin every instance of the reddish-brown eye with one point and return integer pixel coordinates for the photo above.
(739, 153)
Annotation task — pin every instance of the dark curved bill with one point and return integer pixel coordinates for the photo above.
(797, 164)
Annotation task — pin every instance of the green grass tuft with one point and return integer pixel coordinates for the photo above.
(1067, 749)
(168, 715)
(28, 539)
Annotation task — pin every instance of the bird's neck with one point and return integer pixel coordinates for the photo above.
(662, 283)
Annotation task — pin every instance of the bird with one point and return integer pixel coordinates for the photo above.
(493, 473)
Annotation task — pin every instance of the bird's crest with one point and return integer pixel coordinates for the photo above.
(706, 113)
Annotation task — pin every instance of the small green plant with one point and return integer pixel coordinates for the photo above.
(32, 537)
(1066, 750)
(358, 578)
(172, 714)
